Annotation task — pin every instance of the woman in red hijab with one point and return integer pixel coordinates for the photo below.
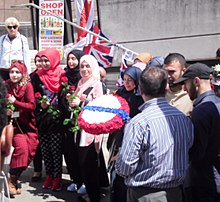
(25, 140)
(47, 83)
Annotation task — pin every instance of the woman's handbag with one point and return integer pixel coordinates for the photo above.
(6, 141)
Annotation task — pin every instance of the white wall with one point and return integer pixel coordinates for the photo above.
(164, 26)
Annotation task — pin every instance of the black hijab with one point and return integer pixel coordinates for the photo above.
(73, 74)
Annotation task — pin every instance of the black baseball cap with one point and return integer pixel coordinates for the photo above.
(195, 70)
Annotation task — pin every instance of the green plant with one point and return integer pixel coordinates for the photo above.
(73, 120)
(10, 106)
(53, 111)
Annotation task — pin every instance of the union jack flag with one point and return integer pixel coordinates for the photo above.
(84, 16)
(90, 44)
(127, 56)
(100, 49)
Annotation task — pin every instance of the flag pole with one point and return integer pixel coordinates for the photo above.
(73, 24)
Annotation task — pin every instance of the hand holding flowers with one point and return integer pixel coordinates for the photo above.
(44, 101)
(10, 104)
(72, 98)
(73, 101)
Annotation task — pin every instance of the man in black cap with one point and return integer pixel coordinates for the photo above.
(204, 166)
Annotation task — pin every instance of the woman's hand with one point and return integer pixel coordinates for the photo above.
(9, 112)
(44, 105)
(83, 97)
(11, 99)
(74, 102)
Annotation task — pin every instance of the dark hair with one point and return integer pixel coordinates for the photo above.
(156, 61)
(153, 82)
(3, 105)
(175, 57)
(218, 53)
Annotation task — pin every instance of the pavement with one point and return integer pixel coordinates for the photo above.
(33, 192)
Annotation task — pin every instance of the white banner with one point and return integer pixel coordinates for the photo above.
(51, 29)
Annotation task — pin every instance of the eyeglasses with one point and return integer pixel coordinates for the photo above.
(19, 61)
(14, 27)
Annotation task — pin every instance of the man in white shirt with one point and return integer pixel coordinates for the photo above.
(175, 65)
(13, 46)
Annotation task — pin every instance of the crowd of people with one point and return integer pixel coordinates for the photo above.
(168, 151)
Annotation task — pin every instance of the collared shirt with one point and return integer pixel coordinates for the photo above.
(17, 49)
(181, 101)
(155, 147)
(206, 97)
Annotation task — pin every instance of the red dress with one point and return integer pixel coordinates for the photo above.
(25, 139)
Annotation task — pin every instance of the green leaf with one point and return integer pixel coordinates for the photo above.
(50, 110)
(66, 121)
(12, 107)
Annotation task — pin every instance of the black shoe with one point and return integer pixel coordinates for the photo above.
(36, 177)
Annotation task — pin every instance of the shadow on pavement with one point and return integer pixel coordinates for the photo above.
(33, 191)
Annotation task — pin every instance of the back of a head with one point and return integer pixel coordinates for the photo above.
(218, 53)
(156, 61)
(102, 72)
(143, 57)
(153, 82)
(175, 57)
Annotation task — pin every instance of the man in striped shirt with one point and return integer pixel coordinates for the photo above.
(154, 154)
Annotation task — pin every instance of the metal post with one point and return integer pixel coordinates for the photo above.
(98, 14)
(33, 28)
(75, 25)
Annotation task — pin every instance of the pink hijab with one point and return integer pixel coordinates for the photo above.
(86, 82)
(51, 77)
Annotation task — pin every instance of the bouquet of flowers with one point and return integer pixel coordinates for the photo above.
(73, 120)
(52, 109)
(10, 106)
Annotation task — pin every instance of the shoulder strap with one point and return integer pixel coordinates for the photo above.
(88, 90)
(3, 38)
(22, 43)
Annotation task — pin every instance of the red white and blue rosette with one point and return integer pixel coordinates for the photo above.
(104, 114)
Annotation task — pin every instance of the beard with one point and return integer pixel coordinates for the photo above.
(192, 92)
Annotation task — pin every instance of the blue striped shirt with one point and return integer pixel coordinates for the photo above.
(155, 147)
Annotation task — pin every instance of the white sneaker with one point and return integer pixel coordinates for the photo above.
(72, 187)
(82, 190)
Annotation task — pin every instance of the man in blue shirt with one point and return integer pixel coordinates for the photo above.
(154, 155)
(204, 154)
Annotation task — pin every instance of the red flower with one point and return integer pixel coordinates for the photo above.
(37, 95)
(8, 95)
(72, 88)
(64, 79)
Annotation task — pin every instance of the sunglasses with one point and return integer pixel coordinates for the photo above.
(19, 61)
(14, 27)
